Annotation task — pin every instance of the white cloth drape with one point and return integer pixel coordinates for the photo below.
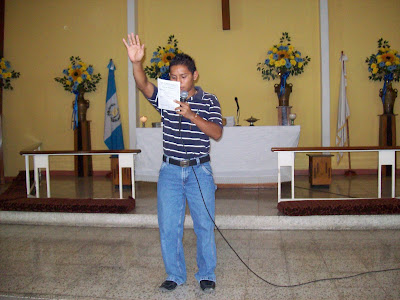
(343, 109)
(242, 156)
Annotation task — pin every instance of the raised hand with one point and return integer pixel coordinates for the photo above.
(134, 49)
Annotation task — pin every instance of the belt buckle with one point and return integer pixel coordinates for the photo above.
(184, 163)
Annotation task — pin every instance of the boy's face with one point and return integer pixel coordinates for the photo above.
(182, 74)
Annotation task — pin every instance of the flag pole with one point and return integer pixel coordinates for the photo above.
(343, 134)
(349, 172)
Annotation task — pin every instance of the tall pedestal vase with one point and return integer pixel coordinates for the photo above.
(83, 106)
(389, 98)
(387, 121)
(283, 91)
(82, 139)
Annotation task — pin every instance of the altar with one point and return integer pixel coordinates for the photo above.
(242, 156)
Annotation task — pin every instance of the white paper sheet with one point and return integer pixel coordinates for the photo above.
(168, 91)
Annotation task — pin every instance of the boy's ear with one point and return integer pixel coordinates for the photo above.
(195, 75)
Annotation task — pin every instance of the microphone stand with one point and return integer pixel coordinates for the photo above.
(237, 112)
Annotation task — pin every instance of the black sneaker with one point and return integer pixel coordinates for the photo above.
(207, 285)
(168, 286)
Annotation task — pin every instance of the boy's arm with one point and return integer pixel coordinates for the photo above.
(135, 52)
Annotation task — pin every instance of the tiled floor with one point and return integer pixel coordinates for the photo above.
(55, 262)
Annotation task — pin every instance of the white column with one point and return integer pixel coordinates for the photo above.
(132, 93)
(325, 83)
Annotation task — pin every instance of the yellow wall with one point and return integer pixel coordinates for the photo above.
(40, 36)
(38, 46)
(227, 60)
(355, 27)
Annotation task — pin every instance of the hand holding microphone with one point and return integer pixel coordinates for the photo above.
(184, 96)
(184, 108)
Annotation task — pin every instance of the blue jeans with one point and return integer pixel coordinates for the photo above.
(175, 185)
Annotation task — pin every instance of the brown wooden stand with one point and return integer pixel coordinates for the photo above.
(387, 136)
(320, 170)
(82, 142)
(126, 173)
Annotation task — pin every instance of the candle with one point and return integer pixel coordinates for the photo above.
(143, 119)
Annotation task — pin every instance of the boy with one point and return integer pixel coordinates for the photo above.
(185, 173)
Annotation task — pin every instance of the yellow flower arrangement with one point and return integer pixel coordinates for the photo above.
(282, 60)
(161, 58)
(385, 64)
(6, 74)
(79, 77)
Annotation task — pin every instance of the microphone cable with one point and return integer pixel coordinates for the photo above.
(324, 192)
(247, 266)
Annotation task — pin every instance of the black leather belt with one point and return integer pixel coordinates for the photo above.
(187, 162)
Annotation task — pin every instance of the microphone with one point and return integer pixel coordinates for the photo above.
(237, 112)
(184, 96)
(237, 103)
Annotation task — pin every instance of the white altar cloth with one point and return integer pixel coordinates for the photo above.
(242, 156)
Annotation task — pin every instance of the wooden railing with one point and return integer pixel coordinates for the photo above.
(41, 161)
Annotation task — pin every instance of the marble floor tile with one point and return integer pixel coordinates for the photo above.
(334, 244)
(365, 280)
(319, 235)
(14, 283)
(59, 262)
(268, 292)
(389, 281)
(363, 293)
(311, 293)
(345, 265)
(50, 285)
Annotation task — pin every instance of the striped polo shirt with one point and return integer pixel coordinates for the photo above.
(189, 142)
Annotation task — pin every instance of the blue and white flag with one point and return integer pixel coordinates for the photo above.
(113, 137)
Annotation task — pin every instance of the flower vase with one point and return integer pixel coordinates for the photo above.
(83, 106)
(389, 99)
(284, 97)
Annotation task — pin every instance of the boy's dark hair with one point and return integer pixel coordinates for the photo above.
(183, 59)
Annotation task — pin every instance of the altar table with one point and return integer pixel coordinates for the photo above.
(242, 156)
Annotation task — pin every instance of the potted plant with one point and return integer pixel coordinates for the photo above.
(385, 65)
(79, 78)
